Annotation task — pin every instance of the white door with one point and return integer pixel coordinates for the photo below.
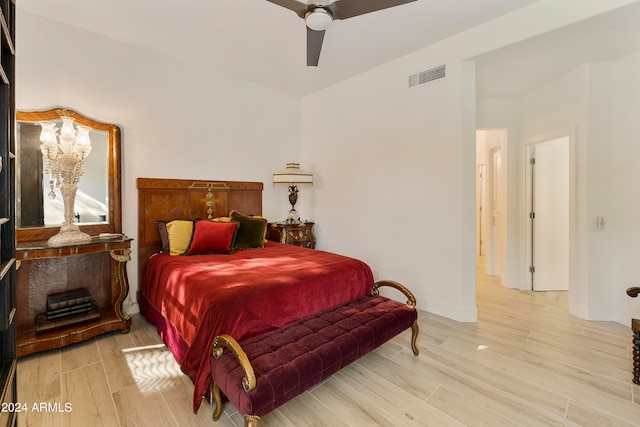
(550, 215)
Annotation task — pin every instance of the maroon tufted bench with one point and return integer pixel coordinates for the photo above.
(267, 371)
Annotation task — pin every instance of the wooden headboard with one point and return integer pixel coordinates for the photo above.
(168, 199)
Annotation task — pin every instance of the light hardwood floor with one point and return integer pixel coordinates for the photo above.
(526, 362)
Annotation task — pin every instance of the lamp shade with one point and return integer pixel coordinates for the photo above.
(292, 174)
(48, 134)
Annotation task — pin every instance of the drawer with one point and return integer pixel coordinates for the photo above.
(293, 234)
(298, 235)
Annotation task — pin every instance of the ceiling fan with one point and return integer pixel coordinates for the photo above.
(319, 16)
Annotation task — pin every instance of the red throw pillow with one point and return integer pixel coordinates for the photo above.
(212, 237)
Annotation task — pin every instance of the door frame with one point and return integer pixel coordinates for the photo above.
(525, 150)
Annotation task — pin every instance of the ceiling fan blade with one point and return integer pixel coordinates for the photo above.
(299, 8)
(314, 46)
(344, 9)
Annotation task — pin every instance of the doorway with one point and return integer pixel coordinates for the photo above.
(492, 201)
(547, 207)
(509, 245)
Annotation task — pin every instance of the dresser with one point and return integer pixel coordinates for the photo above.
(43, 271)
(301, 234)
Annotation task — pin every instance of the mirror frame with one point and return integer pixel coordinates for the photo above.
(114, 224)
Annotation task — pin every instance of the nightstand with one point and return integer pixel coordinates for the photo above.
(293, 234)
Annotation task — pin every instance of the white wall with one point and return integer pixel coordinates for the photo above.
(386, 159)
(177, 121)
(625, 230)
(395, 166)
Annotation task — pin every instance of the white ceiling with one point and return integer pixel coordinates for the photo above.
(516, 69)
(265, 43)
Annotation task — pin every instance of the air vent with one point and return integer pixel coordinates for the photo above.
(428, 76)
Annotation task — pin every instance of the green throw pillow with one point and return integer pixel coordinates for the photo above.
(251, 231)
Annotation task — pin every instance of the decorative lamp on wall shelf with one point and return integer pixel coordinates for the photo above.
(293, 175)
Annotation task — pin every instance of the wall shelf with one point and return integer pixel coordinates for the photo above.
(8, 390)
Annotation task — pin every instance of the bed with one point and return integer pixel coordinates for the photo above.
(191, 299)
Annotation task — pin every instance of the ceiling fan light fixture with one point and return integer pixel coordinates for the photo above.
(318, 19)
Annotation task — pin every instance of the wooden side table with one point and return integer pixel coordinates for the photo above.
(293, 234)
(98, 266)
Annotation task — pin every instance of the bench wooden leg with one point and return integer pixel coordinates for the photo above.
(251, 421)
(217, 399)
(414, 337)
(636, 356)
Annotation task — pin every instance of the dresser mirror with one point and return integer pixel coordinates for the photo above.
(39, 205)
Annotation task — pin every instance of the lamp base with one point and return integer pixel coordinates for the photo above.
(69, 235)
(293, 217)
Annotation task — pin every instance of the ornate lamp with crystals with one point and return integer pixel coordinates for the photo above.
(65, 162)
(293, 175)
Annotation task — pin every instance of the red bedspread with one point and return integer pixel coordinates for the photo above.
(246, 294)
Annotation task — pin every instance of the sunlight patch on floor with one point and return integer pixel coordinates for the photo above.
(152, 367)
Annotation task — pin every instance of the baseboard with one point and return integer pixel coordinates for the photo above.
(450, 311)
